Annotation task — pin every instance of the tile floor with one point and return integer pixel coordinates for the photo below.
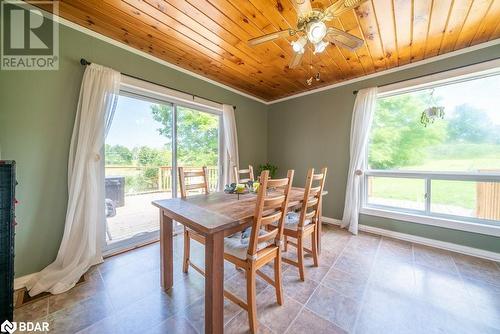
(364, 284)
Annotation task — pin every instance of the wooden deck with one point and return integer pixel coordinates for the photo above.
(138, 216)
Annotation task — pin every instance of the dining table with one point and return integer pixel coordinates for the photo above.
(215, 216)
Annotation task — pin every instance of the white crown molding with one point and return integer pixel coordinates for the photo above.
(481, 253)
(239, 92)
(392, 70)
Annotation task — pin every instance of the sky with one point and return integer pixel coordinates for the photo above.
(483, 94)
(134, 126)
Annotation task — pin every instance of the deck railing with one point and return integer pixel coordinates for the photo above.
(142, 179)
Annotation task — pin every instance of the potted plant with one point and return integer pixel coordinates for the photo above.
(273, 169)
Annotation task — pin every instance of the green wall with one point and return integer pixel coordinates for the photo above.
(37, 110)
(313, 131)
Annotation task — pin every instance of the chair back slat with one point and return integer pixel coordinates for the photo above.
(274, 201)
(276, 183)
(269, 219)
(193, 173)
(249, 172)
(310, 214)
(317, 177)
(268, 236)
(315, 190)
(271, 206)
(311, 203)
(186, 181)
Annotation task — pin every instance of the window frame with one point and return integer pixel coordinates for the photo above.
(426, 216)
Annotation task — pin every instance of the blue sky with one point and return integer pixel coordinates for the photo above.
(483, 94)
(134, 126)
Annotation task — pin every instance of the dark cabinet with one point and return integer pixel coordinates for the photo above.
(7, 224)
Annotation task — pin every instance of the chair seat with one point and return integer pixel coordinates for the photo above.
(237, 244)
(292, 221)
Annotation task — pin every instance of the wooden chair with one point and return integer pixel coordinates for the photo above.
(189, 234)
(264, 246)
(307, 222)
(248, 171)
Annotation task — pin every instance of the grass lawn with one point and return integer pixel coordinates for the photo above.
(456, 193)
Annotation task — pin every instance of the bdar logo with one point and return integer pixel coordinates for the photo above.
(8, 327)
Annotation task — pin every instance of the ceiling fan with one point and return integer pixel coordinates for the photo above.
(312, 28)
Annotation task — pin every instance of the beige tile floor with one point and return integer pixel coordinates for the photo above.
(364, 284)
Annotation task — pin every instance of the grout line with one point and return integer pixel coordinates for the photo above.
(314, 291)
(368, 281)
(462, 280)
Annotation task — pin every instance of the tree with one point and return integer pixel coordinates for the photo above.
(118, 155)
(197, 134)
(469, 124)
(398, 138)
(148, 156)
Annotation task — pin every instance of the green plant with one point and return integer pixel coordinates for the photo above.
(270, 167)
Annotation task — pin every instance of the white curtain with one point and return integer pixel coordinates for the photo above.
(230, 157)
(360, 129)
(81, 245)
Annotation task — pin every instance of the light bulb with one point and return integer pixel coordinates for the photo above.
(320, 46)
(298, 45)
(316, 31)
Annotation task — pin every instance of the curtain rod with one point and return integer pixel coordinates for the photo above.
(433, 73)
(84, 62)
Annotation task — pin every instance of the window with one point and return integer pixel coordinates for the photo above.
(447, 168)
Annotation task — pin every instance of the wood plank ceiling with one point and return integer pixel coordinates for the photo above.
(210, 37)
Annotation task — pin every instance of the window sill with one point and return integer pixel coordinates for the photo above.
(433, 221)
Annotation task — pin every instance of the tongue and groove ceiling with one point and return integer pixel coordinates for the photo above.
(209, 37)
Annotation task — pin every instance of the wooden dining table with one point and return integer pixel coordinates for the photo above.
(215, 216)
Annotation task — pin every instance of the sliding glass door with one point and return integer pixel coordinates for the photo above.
(148, 139)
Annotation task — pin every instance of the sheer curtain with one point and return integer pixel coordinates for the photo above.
(84, 227)
(230, 157)
(362, 116)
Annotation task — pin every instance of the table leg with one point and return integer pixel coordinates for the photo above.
(166, 252)
(214, 283)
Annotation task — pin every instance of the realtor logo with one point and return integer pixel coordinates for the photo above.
(30, 327)
(8, 327)
(29, 36)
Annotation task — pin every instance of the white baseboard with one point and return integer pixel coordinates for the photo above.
(21, 282)
(423, 241)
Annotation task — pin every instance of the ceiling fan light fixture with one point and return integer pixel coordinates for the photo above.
(298, 45)
(316, 30)
(320, 47)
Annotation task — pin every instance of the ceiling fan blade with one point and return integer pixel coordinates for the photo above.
(270, 37)
(343, 39)
(342, 6)
(296, 59)
(303, 7)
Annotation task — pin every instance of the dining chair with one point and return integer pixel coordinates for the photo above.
(252, 249)
(306, 223)
(248, 171)
(189, 180)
